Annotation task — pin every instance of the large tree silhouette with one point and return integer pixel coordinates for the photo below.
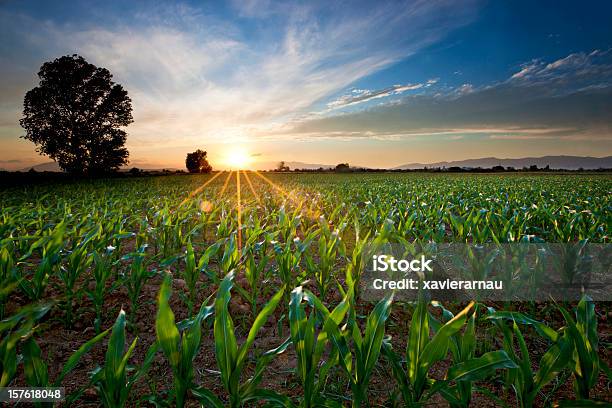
(196, 162)
(75, 115)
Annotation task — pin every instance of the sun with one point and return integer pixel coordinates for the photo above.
(238, 158)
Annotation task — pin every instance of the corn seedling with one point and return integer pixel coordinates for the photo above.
(310, 345)
(422, 352)
(112, 381)
(522, 380)
(50, 246)
(231, 359)
(458, 385)
(585, 362)
(366, 347)
(136, 278)
(179, 348)
(102, 272)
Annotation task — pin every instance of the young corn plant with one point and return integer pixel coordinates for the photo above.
(8, 278)
(112, 381)
(231, 359)
(366, 347)
(77, 262)
(330, 245)
(356, 264)
(136, 278)
(180, 344)
(585, 362)
(310, 346)
(102, 273)
(50, 246)
(230, 258)
(192, 272)
(458, 385)
(422, 352)
(522, 380)
(13, 329)
(288, 261)
(254, 271)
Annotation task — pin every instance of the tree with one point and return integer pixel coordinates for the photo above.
(282, 166)
(196, 162)
(75, 116)
(343, 167)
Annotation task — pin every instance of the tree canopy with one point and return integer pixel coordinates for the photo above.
(282, 166)
(196, 162)
(75, 116)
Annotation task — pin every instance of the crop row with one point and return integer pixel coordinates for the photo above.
(298, 241)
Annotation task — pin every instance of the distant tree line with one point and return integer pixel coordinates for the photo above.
(346, 168)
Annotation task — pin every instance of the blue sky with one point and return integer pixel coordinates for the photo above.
(371, 83)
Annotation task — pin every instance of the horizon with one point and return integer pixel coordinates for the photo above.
(375, 85)
(295, 165)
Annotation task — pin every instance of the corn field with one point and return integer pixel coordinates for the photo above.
(241, 289)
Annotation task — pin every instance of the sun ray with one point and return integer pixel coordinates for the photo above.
(288, 196)
(278, 188)
(197, 190)
(225, 183)
(239, 210)
(248, 179)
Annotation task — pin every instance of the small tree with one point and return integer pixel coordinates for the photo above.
(75, 115)
(196, 162)
(282, 166)
(343, 167)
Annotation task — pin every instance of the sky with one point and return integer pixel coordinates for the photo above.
(376, 84)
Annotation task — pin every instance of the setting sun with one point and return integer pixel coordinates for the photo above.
(238, 159)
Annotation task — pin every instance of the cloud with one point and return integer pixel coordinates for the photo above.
(358, 96)
(570, 99)
(194, 77)
(568, 74)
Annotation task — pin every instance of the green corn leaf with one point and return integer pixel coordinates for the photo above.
(114, 353)
(167, 333)
(479, 368)
(226, 349)
(541, 328)
(207, 398)
(525, 362)
(374, 333)
(35, 369)
(417, 337)
(437, 348)
(272, 397)
(553, 361)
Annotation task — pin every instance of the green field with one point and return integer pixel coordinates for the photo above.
(240, 290)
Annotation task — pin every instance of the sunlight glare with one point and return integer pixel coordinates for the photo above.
(238, 159)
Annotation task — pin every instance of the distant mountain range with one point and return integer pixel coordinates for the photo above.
(555, 162)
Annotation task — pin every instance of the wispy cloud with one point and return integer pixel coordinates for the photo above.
(358, 96)
(568, 74)
(569, 98)
(190, 80)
